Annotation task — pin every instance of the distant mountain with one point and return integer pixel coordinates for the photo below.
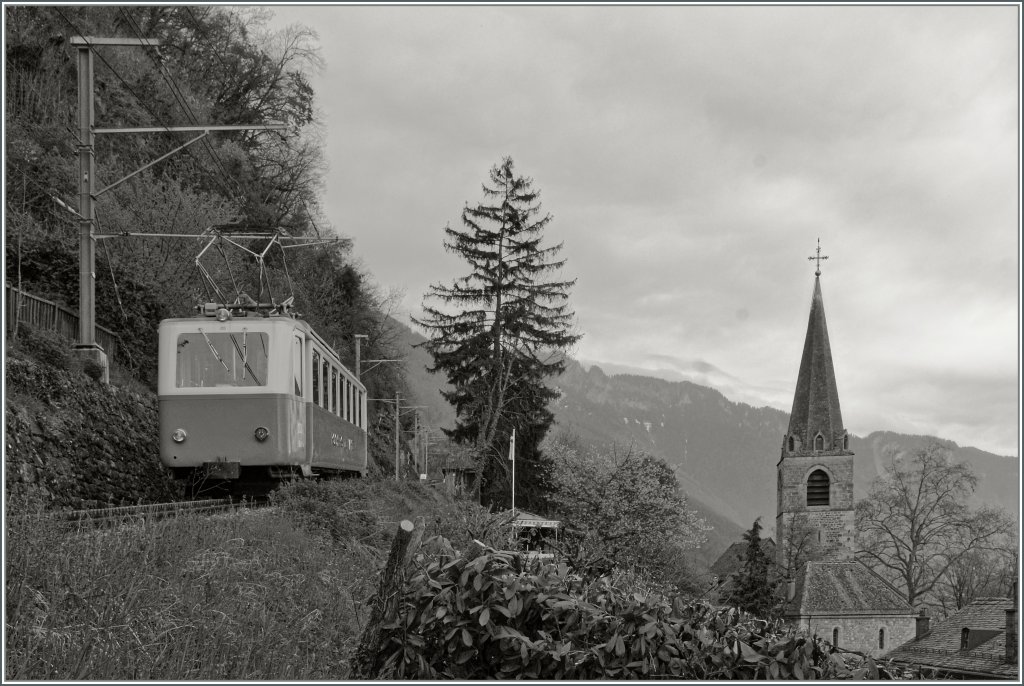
(425, 386)
(724, 453)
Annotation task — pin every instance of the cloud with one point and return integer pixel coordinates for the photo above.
(690, 156)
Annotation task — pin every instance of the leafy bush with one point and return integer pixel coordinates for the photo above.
(500, 616)
(631, 504)
(463, 522)
(330, 509)
(44, 346)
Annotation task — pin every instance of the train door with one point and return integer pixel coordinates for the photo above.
(298, 405)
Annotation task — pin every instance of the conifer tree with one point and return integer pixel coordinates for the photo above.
(500, 331)
(753, 590)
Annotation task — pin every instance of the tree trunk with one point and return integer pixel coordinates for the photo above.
(368, 658)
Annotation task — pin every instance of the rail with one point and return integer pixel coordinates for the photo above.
(107, 515)
(41, 313)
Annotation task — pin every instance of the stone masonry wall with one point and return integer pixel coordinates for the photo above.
(837, 530)
(71, 442)
(792, 486)
(860, 632)
(834, 522)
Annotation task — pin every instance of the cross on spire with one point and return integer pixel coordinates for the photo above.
(818, 258)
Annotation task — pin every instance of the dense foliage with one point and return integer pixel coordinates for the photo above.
(499, 616)
(627, 507)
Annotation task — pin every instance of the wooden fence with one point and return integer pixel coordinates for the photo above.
(40, 313)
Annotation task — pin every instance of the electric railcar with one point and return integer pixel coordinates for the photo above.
(248, 398)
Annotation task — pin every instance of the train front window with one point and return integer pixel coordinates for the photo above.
(209, 359)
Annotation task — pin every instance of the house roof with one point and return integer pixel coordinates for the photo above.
(844, 588)
(731, 561)
(816, 401)
(939, 649)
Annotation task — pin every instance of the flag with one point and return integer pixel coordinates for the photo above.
(512, 447)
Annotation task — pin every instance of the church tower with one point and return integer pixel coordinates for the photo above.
(815, 472)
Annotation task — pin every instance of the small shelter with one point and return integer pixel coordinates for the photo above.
(460, 475)
(538, 533)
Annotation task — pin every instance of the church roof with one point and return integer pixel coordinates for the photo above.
(939, 649)
(844, 588)
(816, 401)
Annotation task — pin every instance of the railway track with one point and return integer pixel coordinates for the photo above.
(153, 511)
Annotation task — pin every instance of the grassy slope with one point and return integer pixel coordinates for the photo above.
(269, 594)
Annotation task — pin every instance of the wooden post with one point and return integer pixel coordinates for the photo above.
(384, 605)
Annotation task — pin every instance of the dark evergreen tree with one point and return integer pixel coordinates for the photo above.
(753, 590)
(500, 331)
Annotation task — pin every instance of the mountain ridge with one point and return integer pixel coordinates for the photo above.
(724, 452)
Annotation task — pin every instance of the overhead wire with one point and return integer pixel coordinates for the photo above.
(157, 118)
(110, 265)
(181, 100)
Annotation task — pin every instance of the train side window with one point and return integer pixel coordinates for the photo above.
(359, 422)
(346, 406)
(316, 377)
(351, 405)
(297, 364)
(334, 390)
(327, 378)
(353, 410)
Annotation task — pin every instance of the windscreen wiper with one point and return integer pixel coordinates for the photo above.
(214, 351)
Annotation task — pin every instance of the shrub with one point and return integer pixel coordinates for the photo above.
(44, 346)
(498, 616)
(329, 508)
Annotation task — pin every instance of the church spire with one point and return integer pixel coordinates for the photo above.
(816, 422)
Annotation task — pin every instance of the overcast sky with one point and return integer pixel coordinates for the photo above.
(691, 156)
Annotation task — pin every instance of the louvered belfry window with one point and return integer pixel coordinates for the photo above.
(817, 488)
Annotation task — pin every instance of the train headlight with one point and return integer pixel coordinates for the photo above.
(223, 315)
(261, 433)
(179, 435)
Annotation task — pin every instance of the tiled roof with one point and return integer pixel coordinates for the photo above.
(844, 588)
(939, 649)
(816, 401)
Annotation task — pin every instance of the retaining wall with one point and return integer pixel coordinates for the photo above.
(72, 442)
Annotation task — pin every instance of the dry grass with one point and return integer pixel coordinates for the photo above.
(273, 594)
(245, 596)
